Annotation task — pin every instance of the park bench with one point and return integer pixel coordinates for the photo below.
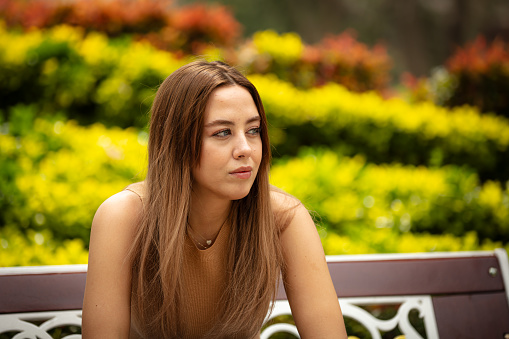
(448, 295)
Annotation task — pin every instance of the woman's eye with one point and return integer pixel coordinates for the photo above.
(223, 133)
(254, 131)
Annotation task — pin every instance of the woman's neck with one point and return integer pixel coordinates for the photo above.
(207, 217)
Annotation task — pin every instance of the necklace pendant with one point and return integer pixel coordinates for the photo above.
(209, 242)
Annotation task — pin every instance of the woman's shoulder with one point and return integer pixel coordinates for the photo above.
(109, 263)
(125, 201)
(121, 210)
(284, 207)
(281, 200)
(137, 188)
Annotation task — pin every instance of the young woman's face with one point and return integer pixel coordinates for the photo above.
(231, 145)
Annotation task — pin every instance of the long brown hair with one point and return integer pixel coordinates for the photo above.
(254, 258)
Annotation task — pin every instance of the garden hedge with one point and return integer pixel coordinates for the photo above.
(89, 77)
(351, 195)
(385, 131)
(340, 59)
(73, 114)
(92, 79)
(55, 174)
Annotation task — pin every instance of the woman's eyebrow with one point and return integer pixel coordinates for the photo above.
(230, 123)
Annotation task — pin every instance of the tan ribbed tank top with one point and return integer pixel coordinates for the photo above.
(204, 280)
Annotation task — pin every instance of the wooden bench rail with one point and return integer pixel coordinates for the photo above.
(459, 295)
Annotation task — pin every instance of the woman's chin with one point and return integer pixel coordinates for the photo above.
(241, 194)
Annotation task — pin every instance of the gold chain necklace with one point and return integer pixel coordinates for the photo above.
(201, 246)
(208, 242)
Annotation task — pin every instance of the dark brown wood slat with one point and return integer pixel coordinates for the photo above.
(416, 276)
(41, 292)
(413, 277)
(477, 316)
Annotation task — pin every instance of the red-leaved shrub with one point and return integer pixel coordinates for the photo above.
(115, 17)
(345, 60)
(337, 58)
(482, 75)
(28, 14)
(184, 30)
(193, 28)
(112, 17)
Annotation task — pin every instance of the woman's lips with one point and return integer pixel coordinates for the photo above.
(242, 172)
(242, 175)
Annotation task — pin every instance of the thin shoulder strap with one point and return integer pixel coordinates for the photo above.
(138, 189)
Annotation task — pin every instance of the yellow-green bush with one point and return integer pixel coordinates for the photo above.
(284, 49)
(87, 77)
(351, 195)
(384, 130)
(386, 241)
(38, 248)
(57, 175)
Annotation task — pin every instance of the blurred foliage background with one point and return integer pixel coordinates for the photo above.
(388, 154)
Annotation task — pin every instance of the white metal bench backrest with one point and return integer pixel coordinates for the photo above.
(25, 323)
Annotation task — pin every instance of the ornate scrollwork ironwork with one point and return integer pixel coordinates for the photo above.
(37, 325)
(352, 308)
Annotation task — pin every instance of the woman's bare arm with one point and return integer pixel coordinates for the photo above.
(106, 306)
(308, 284)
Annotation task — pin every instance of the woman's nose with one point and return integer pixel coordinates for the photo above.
(242, 148)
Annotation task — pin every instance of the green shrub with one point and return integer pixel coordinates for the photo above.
(195, 28)
(38, 248)
(90, 78)
(351, 195)
(384, 131)
(59, 173)
(386, 241)
(54, 175)
(85, 77)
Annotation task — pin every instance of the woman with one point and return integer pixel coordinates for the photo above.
(197, 249)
